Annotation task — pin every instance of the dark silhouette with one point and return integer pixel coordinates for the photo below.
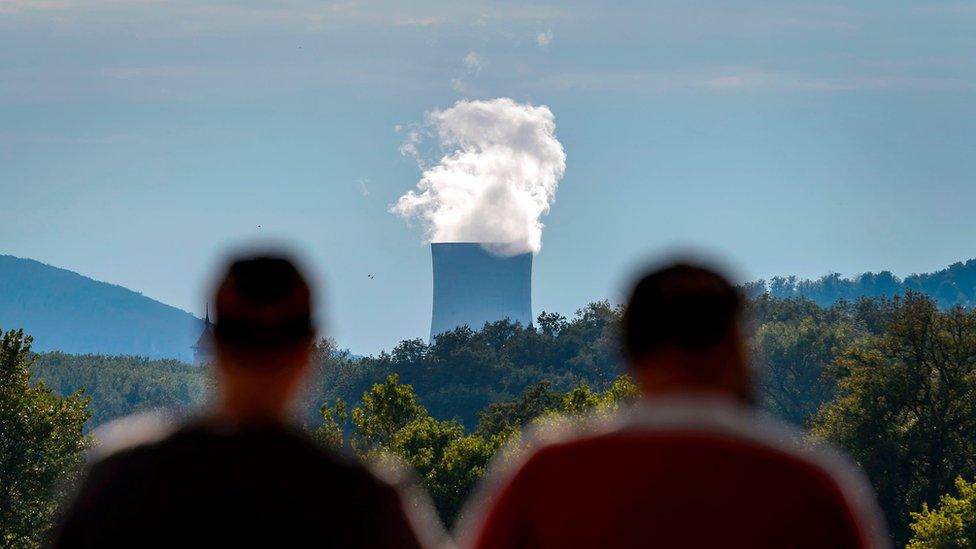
(240, 475)
(693, 464)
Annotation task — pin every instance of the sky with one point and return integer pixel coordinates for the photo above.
(142, 140)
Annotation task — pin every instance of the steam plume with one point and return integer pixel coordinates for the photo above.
(496, 180)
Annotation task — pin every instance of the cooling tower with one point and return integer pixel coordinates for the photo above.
(472, 286)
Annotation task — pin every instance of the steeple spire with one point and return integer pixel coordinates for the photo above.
(203, 349)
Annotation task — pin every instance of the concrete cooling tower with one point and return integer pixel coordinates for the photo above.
(472, 286)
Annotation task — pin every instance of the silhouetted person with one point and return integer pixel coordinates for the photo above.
(693, 464)
(241, 475)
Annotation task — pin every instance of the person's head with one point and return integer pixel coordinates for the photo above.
(263, 334)
(681, 333)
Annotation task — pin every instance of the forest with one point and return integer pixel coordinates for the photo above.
(954, 285)
(890, 379)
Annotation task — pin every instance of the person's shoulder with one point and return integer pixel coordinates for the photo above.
(748, 426)
(342, 463)
(545, 450)
(390, 488)
(525, 459)
(672, 421)
(381, 483)
(129, 436)
(331, 462)
(122, 455)
(818, 464)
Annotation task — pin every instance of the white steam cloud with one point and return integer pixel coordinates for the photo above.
(496, 180)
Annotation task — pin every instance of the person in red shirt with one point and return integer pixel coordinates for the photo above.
(693, 464)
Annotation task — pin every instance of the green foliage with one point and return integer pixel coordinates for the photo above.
(391, 420)
(41, 446)
(794, 342)
(336, 375)
(423, 441)
(386, 409)
(122, 385)
(463, 371)
(580, 400)
(583, 401)
(623, 390)
(533, 402)
(952, 525)
(329, 433)
(449, 460)
(906, 405)
(462, 465)
(457, 375)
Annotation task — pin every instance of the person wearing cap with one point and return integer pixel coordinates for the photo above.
(693, 464)
(241, 475)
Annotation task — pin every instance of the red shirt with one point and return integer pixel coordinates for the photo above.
(690, 473)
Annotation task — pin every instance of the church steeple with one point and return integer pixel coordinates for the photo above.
(204, 347)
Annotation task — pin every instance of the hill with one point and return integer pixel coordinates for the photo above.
(66, 311)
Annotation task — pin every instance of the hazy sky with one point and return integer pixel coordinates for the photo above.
(140, 139)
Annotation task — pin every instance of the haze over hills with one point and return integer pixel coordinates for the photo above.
(65, 311)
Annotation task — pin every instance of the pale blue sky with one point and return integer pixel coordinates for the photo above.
(140, 139)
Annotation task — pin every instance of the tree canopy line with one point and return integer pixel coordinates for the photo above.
(954, 285)
(892, 380)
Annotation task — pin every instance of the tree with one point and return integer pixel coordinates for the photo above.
(623, 391)
(422, 442)
(906, 405)
(464, 370)
(392, 420)
(330, 432)
(121, 385)
(794, 341)
(534, 401)
(580, 400)
(951, 525)
(450, 461)
(793, 358)
(386, 408)
(462, 465)
(41, 446)
(952, 286)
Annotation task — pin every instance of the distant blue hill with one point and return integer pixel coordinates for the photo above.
(954, 285)
(68, 312)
